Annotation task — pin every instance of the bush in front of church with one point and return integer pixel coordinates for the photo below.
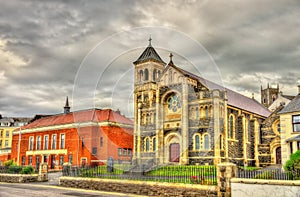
(293, 165)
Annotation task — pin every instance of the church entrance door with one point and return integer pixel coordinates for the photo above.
(278, 155)
(174, 152)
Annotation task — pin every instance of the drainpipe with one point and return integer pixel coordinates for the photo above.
(19, 147)
(78, 131)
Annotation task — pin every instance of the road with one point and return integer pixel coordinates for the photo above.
(37, 190)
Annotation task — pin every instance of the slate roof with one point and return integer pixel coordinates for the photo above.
(90, 115)
(149, 54)
(288, 97)
(234, 99)
(293, 106)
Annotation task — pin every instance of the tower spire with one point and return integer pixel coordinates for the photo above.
(67, 107)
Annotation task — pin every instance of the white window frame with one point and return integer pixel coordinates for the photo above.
(36, 145)
(52, 141)
(45, 142)
(29, 143)
(60, 141)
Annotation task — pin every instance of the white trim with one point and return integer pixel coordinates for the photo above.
(47, 152)
(72, 125)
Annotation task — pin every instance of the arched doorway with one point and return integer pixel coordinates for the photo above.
(174, 152)
(278, 155)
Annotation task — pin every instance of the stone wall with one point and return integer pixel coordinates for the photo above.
(264, 188)
(139, 187)
(18, 178)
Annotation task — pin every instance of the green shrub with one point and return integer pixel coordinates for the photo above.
(27, 170)
(14, 169)
(10, 163)
(294, 160)
(292, 166)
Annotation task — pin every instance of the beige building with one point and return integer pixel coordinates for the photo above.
(7, 125)
(181, 118)
(290, 128)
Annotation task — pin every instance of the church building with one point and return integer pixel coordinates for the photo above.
(181, 118)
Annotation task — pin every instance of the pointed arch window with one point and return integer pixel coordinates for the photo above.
(154, 143)
(231, 127)
(206, 142)
(140, 75)
(197, 142)
(146, 72)
(246, 133)
(154, 74)
(206, 112)
(147, 145)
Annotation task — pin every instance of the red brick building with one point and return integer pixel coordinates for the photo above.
(86, 137)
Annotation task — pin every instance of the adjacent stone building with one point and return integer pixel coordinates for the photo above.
(181, 118)
(290, 128)
(86, 137)
(269, 148)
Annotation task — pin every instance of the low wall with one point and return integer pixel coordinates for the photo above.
(264, 188)
(139, 187)
(18, 178)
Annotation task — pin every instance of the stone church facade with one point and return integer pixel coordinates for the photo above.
(269, 148)
(181, 118)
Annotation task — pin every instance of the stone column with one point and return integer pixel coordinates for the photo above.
(185, 126)
(225, 171)
(216, 123)
(138, 134)
(226, 126)
(159, 129)
(256, 142)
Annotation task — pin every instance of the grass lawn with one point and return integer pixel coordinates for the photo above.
(184, 171)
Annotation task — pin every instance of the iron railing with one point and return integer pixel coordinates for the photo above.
(273, 174)
(205, 175)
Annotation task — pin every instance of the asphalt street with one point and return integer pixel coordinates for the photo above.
(36, 190)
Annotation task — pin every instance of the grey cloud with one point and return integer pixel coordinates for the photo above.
(53, 38)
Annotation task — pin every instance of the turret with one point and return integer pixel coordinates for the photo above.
(67, 107)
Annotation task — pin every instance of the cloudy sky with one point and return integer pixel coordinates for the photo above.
(85, 49)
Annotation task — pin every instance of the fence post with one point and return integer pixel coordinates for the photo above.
(225, 171)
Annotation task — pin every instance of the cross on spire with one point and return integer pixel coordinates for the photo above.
(171, 55)
(150, 39)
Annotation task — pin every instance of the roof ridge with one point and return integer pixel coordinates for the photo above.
(212, 85)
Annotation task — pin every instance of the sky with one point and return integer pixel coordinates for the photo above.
(85, 49)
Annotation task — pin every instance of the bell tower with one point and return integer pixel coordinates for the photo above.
(148, 66)
(269, 95)
(147, 71)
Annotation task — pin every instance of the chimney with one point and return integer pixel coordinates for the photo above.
(298, 89)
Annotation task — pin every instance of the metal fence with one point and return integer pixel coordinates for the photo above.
(205, 175)
(273, 174)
